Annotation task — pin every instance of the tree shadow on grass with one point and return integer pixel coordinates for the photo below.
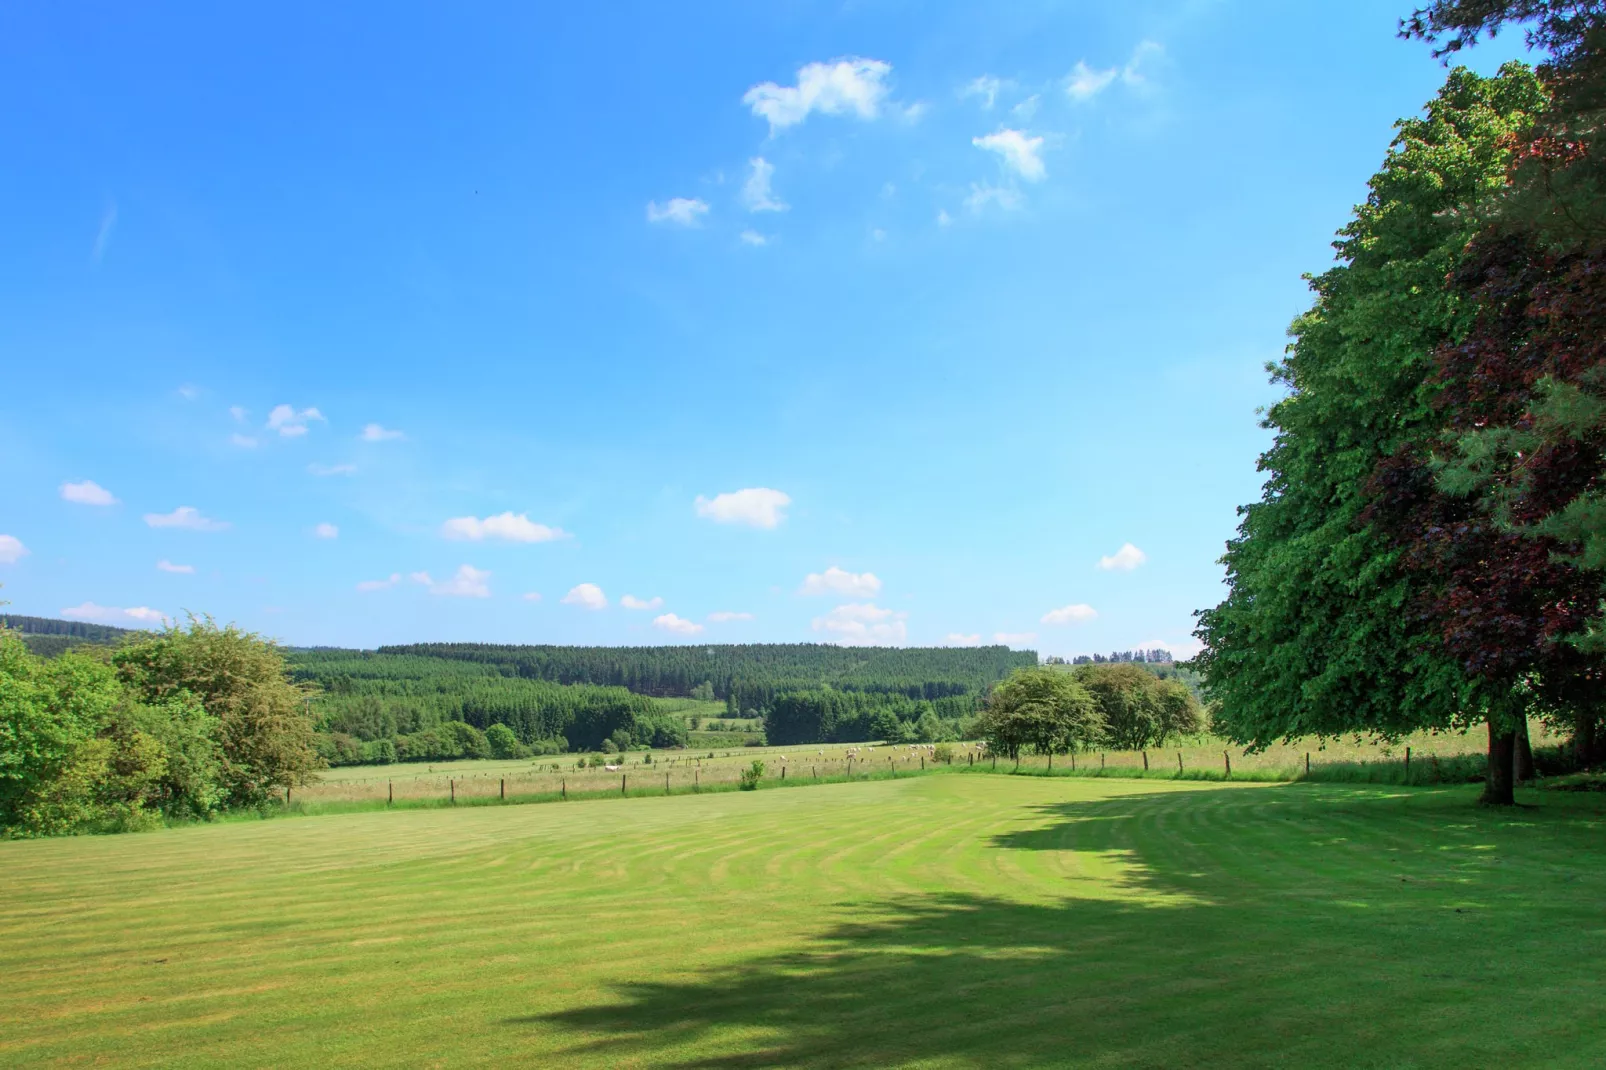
(1271, 927)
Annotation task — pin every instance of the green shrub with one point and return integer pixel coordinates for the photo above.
(751, 776)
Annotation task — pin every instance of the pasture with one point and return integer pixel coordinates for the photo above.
(936, 921)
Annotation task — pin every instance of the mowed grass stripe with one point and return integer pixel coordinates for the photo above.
(939, 921)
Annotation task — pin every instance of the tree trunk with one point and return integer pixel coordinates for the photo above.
(1524, 758)
(1498, 783)
(1584, 739)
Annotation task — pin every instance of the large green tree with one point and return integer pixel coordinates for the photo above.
(1042, 708)
(1319, 634)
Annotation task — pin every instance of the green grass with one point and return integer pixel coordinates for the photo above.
(937, 921)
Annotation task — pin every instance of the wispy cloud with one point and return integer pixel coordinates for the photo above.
(113, 615)
(377, 433)
(753, 237)
(1019, 152)
(11, 550)
(724, 616)
(986, 87)
(756, 192)
(505, 526)
(586, 596)
(983, 194)
(103, 236)
(1084, 83)
(851, 85)
(379, 585)
(468, 582)
(758, 507)
(1127, 558)
(326, 531)
(1013, 638)
(87, 493)
(332, 469)
(630, 601)
(290, 422)
(840, 582)
(680, 211)
(245, 442)
(183, 570)
(960, 639)
(186, 517)
(863, 624)
(677, 625)
(1079, 613)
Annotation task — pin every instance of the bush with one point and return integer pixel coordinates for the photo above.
(944, 753)
(751, 776)
(502, 742)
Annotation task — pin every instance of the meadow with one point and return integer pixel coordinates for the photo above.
(943, 920)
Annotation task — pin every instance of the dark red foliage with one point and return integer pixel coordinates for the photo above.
(1503, 599)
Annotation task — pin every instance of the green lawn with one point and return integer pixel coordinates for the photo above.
(938, 921)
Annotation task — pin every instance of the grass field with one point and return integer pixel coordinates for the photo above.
(936, 921)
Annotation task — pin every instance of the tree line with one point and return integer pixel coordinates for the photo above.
(1430, 547)
(750, 676)
(384, 707)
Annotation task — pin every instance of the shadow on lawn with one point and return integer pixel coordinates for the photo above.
(1338, 930)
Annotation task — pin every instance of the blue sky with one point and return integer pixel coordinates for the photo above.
(862, 322)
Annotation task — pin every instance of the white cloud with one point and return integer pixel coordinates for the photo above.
(380, 585)
(630, 601)
(679, 625)
(377, 433)
(168, 566)
(1028, 107)
(1144, 58)
(863, 624)
(1077, 613)
(878, 234)
(507, 526)
(1014, 638)
(326, 531)
(103, 236)
(189, 392)
(960, 639)
(1085, 83)
(1127, 558)
(186, 517)
(469, 582)
(1020, 153)
(756, 193)
(245, 442)
(11, 550)
(723, 616)
(238, 412)
(986, 87)
(587, 596)
(290, 423)
(532, 596)
(758, 507)
(682, 211)
(753, 237)
(113, 615)
(943, 218)
(332, 469)
(981, 195)
(839, 581)
(850, 85)
(87, 493)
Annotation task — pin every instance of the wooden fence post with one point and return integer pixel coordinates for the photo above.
(622, 783)
(1407, 765)
(1101, 761)
(1307, 763)
(972, 757)
(1145, 761)
(390, 792)
(563, 788)
(697, 778)
(666, 782)
(287, 796)
(503, 791)
(1228, 759)
(1179, 761)
(453, 785)
(923, 763)
(1073, 761)
(783, 772)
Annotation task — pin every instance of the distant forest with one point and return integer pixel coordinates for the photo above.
(750, 676)
(47, 638)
